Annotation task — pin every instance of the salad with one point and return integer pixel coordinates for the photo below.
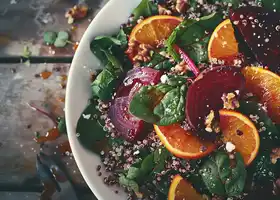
(188, 103)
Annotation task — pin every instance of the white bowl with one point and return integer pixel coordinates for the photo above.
(107, 22)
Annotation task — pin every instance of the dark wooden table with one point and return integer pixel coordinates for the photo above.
(22, 23)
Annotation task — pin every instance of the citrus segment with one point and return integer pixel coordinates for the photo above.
(182, 190)
(240, 131)
(222, 44)
(154, 29)
(183, 144)
(266, 86)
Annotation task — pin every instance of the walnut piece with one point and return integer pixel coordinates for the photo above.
(181, 68)
(230, 101)
(211, 124)
(275, 155)
(163, 11)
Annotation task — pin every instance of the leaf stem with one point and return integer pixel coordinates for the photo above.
(187, 59)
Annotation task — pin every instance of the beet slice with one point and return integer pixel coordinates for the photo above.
(205, 94)
(260, 30)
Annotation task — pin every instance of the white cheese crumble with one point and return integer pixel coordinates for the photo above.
(86, 116)
(164, 78)
(230, 147)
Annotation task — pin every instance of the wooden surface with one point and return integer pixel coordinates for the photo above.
(22, 23)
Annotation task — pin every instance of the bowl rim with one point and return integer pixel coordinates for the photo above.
(71, 128)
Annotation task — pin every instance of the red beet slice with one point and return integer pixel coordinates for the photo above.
(207, 90)
(260, 29)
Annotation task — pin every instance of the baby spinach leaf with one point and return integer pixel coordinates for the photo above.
(90, 127)
(234, 3)
(159, 62)
(193, 36)
(161, 155)
(128, 183)
(273, 5)
(148, 164)
(104, 84)
(146, 8)
(171, 108)
(49, 37)
(155, 104)
(270, 136)
(122, 37)
(221, 178)
(133, 173)
(176, 80)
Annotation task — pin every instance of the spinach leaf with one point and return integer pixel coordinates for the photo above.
(176, 80)
(162, 104)
(171, 108)
(122, 37)
(161, 155)
(234, 3)
(159, 62)
(90, 132)
(221, 178)
(273, 5)
(107, 49)
(147, 164)
(270, 136)
(146, 8)
(193, 36)
(128, 183)
(133, 173)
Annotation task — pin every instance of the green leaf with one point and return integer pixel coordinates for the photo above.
(270, 136)
(49, 37)
(161, 155)
(62, 125)
(128, 183)
(219, 176)
(146, 8)
(162, 104)
(175, 80)
(171, 108)
(133, 173)
(61, 39)
(122, 37)
(144, 101)
(234, 3)
(26, 52)
(192, 36)
(104, 84)
(90, 127)
(273, 5)
(159, 62)
(148, 164)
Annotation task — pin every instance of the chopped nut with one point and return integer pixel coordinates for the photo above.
(275, 155)
(230, 101)
(163, 11)
(211, 124)
(181, 68)
(143, 52)
(181, 5)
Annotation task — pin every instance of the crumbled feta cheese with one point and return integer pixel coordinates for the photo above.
(164, 78)
(86, 116)
(230, 147)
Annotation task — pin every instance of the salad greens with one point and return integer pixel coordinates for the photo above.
(161, 104)
(90, 129)
(157, 95)
(193, 36)
(221, 178)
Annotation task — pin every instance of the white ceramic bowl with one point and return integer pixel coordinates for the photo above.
(107, 22)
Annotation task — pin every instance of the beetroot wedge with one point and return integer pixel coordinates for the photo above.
(205, 94)
(260, 30)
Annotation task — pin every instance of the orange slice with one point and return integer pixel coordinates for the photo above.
(222, 44)
(154, 29)
(240, 131)
(182, 190)
(266, 86)
(183, 144)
